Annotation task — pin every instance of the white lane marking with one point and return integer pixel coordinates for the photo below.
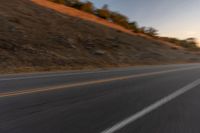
(70, 74)
(46, 89)
(152, 107)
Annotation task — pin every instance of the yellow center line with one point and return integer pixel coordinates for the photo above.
(46, 89)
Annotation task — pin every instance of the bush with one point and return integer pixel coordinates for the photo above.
(87, 7)
(71, 2)
(119, 19)
(133, 26)
(189, 43)
(58, 1)
(142, 30)
(66, 2)
(151, 31)
(77, 5)
(103, 12)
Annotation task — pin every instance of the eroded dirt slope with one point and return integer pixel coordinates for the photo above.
(33, 37)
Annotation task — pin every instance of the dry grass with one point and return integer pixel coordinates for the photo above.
(77, 13)
(89, 17)
(37, 38)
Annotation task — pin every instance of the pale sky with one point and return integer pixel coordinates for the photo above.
(173, 18)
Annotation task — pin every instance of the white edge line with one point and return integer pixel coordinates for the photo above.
(151, 107)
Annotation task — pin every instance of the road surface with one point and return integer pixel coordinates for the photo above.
(149, 99)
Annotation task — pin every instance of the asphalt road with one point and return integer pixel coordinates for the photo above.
(149, 99)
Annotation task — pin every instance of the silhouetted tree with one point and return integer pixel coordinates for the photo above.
(151, 31)
(133, 26)
(148, 31)
(103, 12)
(142, 30)
(71, 2)
(120, 19)
(88, 7)
(190, 43)
(59, 1)
(66, 2)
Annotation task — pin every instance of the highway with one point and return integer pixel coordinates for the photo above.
(146, 99)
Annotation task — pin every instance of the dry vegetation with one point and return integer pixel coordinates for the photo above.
(37, 38)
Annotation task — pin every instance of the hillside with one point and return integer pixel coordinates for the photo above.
(38, 38)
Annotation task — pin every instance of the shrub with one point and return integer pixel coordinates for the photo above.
(151, 31)
(77, 5)
(133, 26)
(71, 2)
(103, 12)
(189, 43)
(87, 7)
(120, 19)
(59, 1)
(66, 2)
(142, 30)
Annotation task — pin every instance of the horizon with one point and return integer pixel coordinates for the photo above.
(173, 21)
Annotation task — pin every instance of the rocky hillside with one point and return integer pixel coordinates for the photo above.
(38, 38)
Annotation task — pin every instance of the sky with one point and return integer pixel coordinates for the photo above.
(173, 18)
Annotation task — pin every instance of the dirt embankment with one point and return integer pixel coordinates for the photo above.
(34, 37)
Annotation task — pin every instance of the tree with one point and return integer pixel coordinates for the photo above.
(66, 2)
(189, 43)
(191, 40)
(151, 31)
(103, 12)
(133, 26)
(78, 5)
(119, 19)
(71, 2)
(88, 7)
(59, 1)
(142, 30)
